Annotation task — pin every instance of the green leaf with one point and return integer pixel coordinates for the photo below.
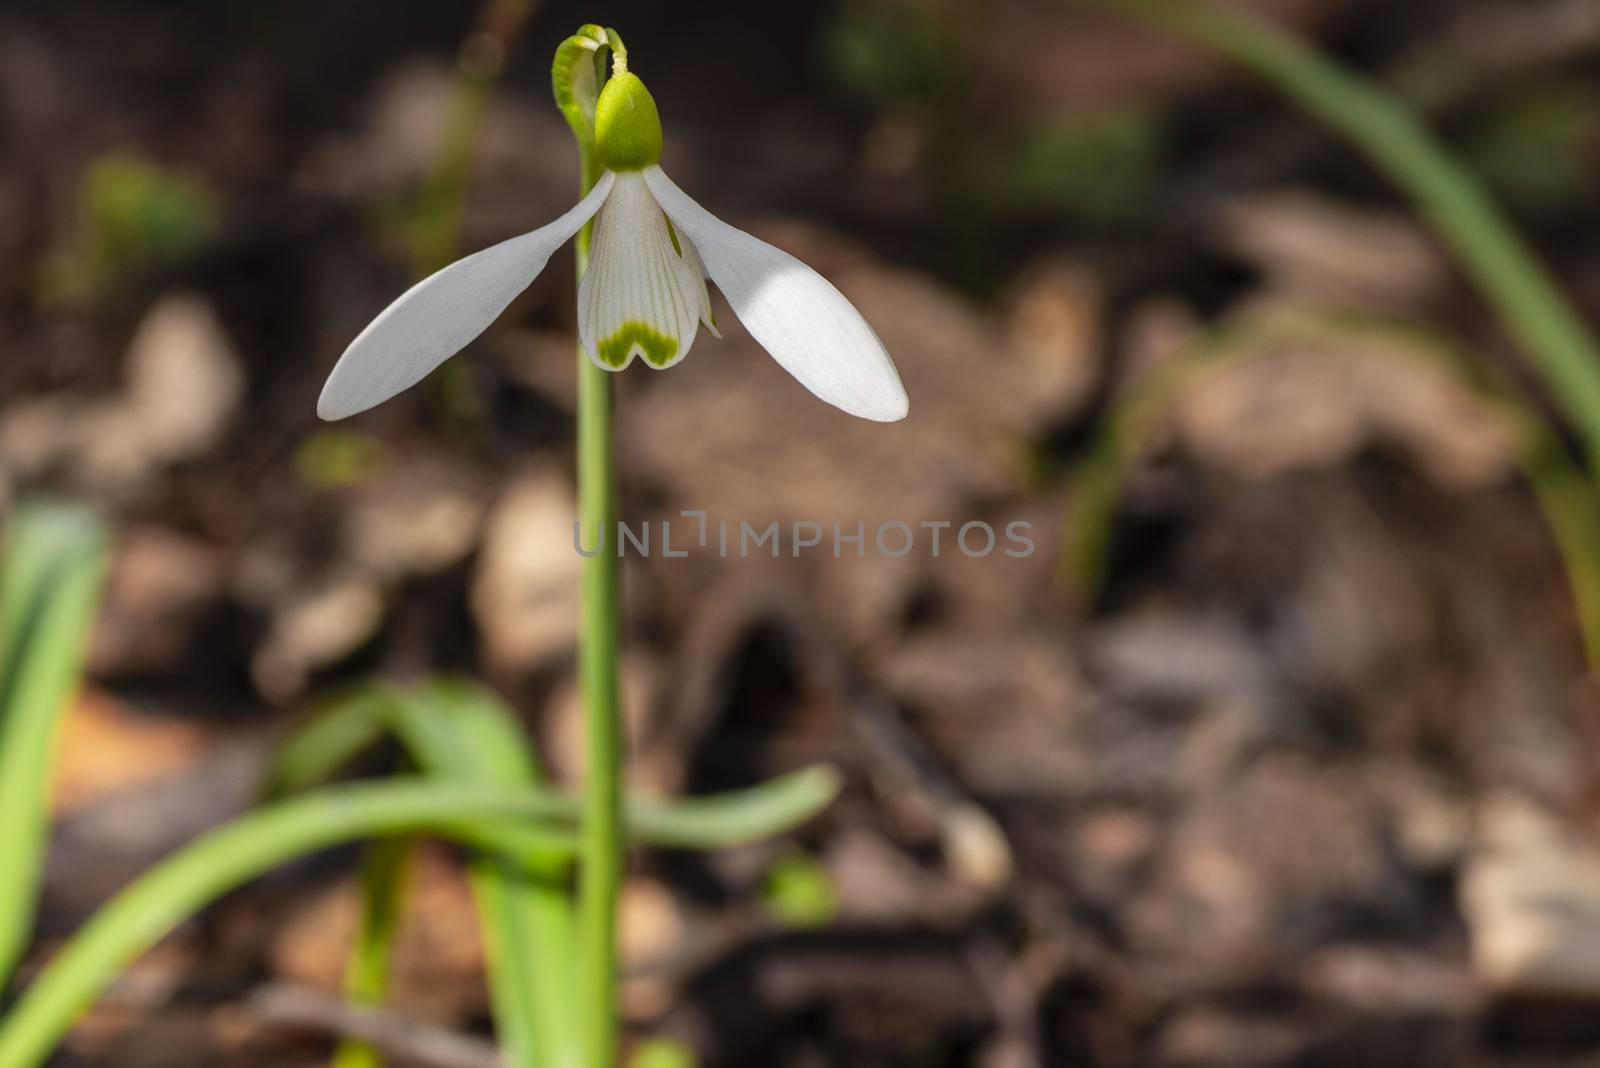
(890, 54)
(329, 740)
(197, 875)
(332, 458)
(49, 588)
(514, 824)
(383, 878)
(662, 1053)
(455, 730)
(736, 818)
(1452, 199)
(132, 215)
(1536, 147)
(1097, 167)
(1562, 489)
(799, 893)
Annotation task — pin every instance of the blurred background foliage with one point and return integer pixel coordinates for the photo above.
(132, 216)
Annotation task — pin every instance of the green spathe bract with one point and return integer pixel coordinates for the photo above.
(627, 128)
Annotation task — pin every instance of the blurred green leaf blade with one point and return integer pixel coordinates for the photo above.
(50, 582)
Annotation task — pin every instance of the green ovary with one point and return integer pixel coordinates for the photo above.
(657, 348)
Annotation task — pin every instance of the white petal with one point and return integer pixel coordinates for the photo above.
(633, 300)
(796, 314)
(698, 292)
(437, 317)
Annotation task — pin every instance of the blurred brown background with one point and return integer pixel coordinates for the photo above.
(1307, 779)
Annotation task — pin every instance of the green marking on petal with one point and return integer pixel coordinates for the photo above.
(657, 348)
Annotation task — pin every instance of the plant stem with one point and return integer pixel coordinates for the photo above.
(1454, 201)
(602, 844)
(436, 223)
(434, 227)
(366, 978)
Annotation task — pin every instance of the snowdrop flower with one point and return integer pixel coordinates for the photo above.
(644, 294)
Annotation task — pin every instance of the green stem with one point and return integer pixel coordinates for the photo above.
(366, 980)
(1460, 210)
(441, 204)
(602, 850)
(576, 77)
(434, 226)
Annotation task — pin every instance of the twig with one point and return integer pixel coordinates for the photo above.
(974, 844)
(1488, 39)
(1014, 997)
(288, 1006)
(972, 840)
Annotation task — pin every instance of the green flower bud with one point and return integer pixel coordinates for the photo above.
(627, 129)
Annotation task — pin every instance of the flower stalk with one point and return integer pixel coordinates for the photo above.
(578, 73)
(602, 706)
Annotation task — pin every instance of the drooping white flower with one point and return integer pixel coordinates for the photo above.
(644, 293)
